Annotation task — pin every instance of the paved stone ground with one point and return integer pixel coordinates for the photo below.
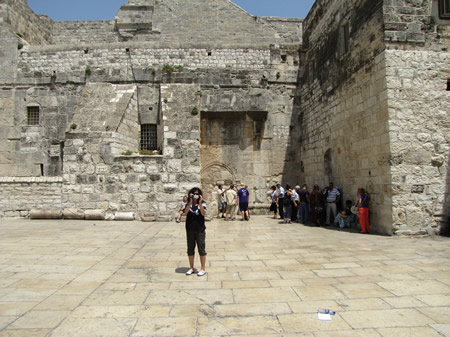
(126, 279)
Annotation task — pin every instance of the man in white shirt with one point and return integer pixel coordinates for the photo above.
(332, 195)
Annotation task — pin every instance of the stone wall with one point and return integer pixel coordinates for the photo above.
(22, 21)
(83, 32)
(18, 195)
(419, 133)
(417, 81)
(341, 132)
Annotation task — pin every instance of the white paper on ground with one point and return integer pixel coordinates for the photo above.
(324, 317)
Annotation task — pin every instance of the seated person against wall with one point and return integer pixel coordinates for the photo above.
(342, 219)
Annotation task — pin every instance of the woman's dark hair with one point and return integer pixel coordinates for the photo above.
(273, 187)
(194, 189)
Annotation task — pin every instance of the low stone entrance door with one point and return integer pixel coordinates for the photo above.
(211, 177)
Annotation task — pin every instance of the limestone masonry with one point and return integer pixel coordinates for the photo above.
(118, 119)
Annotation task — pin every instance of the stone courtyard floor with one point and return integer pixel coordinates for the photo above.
(61, 278)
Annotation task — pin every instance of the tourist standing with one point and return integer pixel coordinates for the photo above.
(243, 197)
(295, 204)
(304, 204)
(332, 196)
(288, 201)
(231, 199)
(364, 203)
(195, 229)
(221, 203)
(280, 200)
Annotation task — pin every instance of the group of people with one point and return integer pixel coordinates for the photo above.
(290, 204)
(229, 199)
(320, 207)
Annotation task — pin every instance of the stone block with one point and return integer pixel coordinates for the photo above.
(94, 214)
(45, 214)
(148, 216)
(73, 213)
(124, 216)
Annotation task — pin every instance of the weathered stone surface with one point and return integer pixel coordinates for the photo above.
(124, 216)
(45, 214)
(73, 213)
(94, 214)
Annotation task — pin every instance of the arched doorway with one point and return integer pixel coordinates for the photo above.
(211, 176)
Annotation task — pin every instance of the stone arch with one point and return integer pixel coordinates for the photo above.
(212, 175)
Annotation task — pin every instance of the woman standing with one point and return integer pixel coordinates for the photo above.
(363, 204)
(195, 229)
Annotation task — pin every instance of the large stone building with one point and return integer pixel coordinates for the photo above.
(118, 119)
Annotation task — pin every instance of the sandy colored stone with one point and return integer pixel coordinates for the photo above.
(418, 287)
(162, 297)
(26, 295)
(404, 302)
(264, 295)
(440, 315)
(88, 327)
(253, 325)
(363, 304)
(409, 332)
(159, 327)
(318, 293)
(310, 322)
(251, 309)
(24, 333)
(303, 307)
(15, 308)
(39, 320)
(107, 297)
(385, 318)
(362, 290)
(245, 284)
(350, 333)
(333, 273)
(7, 320)
(435, 300)
(61, 302)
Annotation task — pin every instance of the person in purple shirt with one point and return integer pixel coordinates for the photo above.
(243, 196)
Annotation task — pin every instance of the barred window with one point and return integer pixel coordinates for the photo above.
(149, 139)
(33, 115)
(444, 9)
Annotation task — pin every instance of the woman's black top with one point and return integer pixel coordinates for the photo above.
(195, 221)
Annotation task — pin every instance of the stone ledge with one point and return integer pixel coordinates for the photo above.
(31, 180)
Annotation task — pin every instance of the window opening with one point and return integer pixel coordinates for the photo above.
(444, 9)
(33, 115)
(149, 139)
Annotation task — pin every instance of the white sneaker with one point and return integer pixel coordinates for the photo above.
(189, 272)
(201, 273)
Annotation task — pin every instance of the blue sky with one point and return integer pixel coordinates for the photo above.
(80, 10)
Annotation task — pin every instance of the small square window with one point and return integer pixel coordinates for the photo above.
(33, 115)
(149, 139)
(444, 9)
